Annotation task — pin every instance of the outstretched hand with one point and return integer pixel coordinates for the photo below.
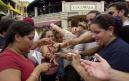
(76, 60)
(45, 41)
(98, 70)
(44, 67)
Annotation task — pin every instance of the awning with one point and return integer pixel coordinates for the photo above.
(3, 6)
(46, 23)
(14, 10)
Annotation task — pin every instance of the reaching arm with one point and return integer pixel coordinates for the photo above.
(41, 42)
(10, 75)
(116, 75)
(57, 28)
(15, 74)
(90, 51)
(36, 72)
(84, 38)
(102, 71)
(78, 67)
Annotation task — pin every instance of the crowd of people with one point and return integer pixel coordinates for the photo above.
(96, 49)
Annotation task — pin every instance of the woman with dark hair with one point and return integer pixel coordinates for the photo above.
(47, 33)
(14, 64)
(115, 50)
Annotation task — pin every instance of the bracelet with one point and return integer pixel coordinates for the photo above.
(34, 75)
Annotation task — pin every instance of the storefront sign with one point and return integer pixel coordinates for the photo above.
(82, 7)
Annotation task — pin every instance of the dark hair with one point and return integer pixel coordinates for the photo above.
(121, 6)
(18, 27)
(5, 23)
(44, 33)
(106, 20)
(111, 1)
(74, 23)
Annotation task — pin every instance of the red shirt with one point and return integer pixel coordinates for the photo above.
(9, 59)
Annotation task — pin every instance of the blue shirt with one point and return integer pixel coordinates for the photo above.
(117, 54)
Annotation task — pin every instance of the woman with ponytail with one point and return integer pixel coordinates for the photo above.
(105, 30)
(14, 63)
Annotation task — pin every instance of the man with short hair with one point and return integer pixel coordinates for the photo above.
(120, 9)
(91, 15)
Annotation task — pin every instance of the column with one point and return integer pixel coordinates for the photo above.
(64, 20)
(64, 23)
(63, 6)
(35, 11)
(9, 12)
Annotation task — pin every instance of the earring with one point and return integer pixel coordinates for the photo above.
(110, 34)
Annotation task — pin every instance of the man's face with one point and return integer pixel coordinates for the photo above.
(79, 30)
(74, 30)
(90, 17)
(114, 12)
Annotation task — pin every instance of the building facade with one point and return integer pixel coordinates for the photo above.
(45, 11)
(62, 11)
(13, 7)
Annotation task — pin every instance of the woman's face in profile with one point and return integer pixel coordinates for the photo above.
(101, 36)
(25, 42)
